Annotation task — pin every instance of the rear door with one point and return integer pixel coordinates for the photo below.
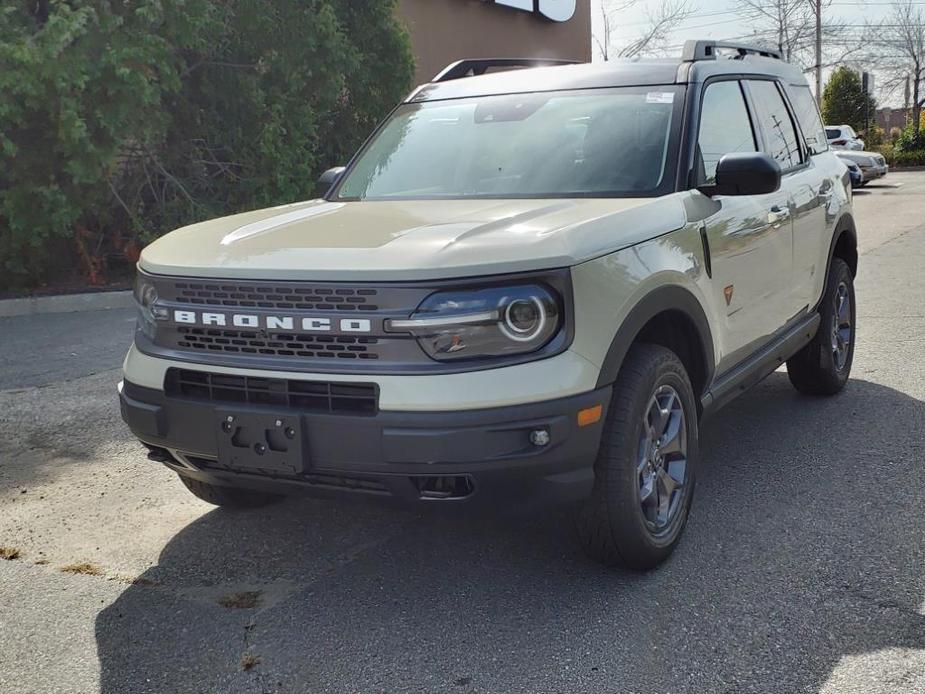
(749, 237)
(812, 187)
(796, 199)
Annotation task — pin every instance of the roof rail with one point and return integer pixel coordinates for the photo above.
(478, 66)
(707, 50)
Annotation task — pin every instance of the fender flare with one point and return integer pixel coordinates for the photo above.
(845, 225)
(665, 298)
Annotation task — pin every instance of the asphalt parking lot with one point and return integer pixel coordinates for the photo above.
(802, 569)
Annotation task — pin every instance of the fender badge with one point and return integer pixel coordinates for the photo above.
(727, 292)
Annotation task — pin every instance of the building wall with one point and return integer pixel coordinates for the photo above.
(443, 31)
(888, 118)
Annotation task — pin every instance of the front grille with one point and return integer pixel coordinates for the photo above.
(290, 296)
(310, 331)
(276, 344)
(309, 396)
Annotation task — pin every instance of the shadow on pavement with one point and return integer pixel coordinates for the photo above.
(804, 547)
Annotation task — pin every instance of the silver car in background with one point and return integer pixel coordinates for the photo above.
(871, 164)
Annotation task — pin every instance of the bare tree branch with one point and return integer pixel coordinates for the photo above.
(791, 21)
(791, 26)
(668, 16)
(661, 23)
(901, 40)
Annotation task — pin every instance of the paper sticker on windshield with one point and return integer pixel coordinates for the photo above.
(660, 98)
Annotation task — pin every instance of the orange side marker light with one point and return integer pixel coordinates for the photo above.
(590, 415)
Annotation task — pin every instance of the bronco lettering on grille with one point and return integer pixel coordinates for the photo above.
(281, 323)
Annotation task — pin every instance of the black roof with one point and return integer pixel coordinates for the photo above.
(699, 61)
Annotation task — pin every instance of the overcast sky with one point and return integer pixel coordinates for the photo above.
(720, 19)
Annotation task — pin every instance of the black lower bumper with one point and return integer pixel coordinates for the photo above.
(415, 457)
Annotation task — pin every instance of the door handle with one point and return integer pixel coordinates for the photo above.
(777, 216)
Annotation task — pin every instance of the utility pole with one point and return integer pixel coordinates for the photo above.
(817, 8)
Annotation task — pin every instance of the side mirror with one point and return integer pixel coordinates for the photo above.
(329, 178)
(744, 173)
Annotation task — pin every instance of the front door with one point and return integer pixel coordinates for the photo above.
(750, 237)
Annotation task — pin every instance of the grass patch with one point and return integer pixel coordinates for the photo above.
(84, 567)
(9, 553)
(245, 600)
(249, 661)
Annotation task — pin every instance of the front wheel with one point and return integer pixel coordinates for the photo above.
(822, 367)
(644, 474)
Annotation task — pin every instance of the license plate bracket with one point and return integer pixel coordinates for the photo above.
(268, 443)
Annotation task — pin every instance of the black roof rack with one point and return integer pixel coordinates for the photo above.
(707, 50)
(479, 66)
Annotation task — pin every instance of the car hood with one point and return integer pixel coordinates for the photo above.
(409, 240)
(865, 158)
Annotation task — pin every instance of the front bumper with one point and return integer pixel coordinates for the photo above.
(481, 456)
(872, 173)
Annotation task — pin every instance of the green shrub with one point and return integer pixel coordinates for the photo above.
(76, 81)
(911, 158)
(873, 137)
(911, 139)
(121, 121)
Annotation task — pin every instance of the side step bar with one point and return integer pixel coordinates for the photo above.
(756, 367)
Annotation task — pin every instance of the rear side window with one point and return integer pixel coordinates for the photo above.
(724, 128)
(804, 106)
(832, 133)
(774, 120)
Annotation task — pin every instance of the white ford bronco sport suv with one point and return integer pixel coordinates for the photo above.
(529, 284)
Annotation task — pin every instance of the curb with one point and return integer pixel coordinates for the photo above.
(65, 303)
(907, 168)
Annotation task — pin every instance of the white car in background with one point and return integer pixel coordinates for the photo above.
(843, 137)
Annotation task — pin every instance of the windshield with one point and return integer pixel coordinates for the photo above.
(590, 143)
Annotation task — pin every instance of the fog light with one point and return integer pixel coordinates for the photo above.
(539, 437)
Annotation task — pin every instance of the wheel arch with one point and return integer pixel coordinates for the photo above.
(845, 244)
(670, 316)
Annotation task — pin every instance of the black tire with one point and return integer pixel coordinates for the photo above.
(228, 497)
(612, 525)
(819, 368)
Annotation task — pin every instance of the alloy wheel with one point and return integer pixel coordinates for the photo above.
(841, 326)
(661, 463)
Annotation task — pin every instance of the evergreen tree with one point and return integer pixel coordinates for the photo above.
(122, 120)
(844, 101)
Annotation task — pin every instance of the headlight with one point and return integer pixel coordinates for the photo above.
(491, 322)
(145, 294)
